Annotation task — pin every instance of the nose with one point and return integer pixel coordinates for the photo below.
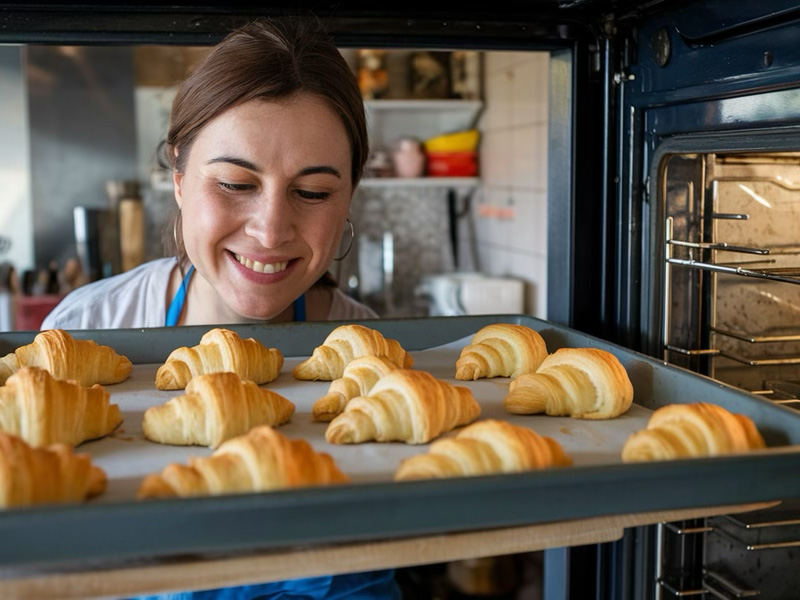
(271, 219)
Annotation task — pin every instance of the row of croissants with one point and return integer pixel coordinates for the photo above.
(53, 399)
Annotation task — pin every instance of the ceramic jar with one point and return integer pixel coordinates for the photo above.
(408, 158)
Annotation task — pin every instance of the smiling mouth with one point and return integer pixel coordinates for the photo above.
(260, 267)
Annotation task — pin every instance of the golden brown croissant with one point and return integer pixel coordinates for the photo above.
(44, 475)
(501, 350)
(262, 460)
(215, 408)
(345, 343)
(485, 447)
(43, 410)
(66, 358)
(687, 430)
(359, 376)
(220, 350)
(404, 406)
(9, 365)
(587, 383)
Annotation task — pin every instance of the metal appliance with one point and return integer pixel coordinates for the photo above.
(472, 293)
(668, 122)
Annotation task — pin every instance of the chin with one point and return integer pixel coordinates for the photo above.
(260, 313)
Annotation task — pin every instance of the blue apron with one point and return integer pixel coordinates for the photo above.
(372, 585)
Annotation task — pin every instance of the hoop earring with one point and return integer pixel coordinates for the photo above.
(180, 251)
(175, 233)
(350, 245)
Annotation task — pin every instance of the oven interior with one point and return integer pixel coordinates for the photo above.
(732, 269)
(731, 311)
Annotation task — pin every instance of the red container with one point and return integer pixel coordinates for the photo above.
(452, 164)
(31, 311)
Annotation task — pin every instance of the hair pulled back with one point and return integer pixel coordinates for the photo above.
(268, 60)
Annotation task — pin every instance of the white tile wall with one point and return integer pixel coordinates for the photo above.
(514, 173)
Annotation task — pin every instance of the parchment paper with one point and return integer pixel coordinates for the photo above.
(127, 457)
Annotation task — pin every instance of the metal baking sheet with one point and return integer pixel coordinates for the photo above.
(372, 506)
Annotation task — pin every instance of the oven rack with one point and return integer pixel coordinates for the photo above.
(713, 584)
(777, 396)
(753, 362)
(781, 274)
(782, 531)
(778, 273)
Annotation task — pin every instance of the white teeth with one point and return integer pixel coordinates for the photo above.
(260, 267)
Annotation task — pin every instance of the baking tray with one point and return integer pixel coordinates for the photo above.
(114, 527)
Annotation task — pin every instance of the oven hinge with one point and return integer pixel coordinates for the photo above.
(623, 76)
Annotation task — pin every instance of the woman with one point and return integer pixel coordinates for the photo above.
(267, 142)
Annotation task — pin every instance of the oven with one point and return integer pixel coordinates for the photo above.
(672, 231)
(706, 264)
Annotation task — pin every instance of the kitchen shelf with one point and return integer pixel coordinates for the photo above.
(417, 182)
(389, 120)
(414, 105)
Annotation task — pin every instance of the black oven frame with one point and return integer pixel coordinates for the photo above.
(705, 77)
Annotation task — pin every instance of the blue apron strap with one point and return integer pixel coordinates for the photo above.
(176, 306)
(300, 309)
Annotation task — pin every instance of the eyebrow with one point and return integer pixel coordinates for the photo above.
(321, 169)
(239, 162)
(246, 164)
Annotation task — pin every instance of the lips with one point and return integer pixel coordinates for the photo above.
(260, 267)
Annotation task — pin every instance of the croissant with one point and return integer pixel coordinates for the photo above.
(260, 461)
(66, 358)
(587, 383)
(359, 376)
(44, 475)
(43, 410)
(216, 407)
(9, 364)
(345, 343)
(485, 447)
(220, 350)
(501, 350)
(406, 406)
(687, 430)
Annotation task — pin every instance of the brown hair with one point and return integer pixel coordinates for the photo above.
(268, 59)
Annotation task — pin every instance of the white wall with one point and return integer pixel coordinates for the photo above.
(510, 211)
(16, 212)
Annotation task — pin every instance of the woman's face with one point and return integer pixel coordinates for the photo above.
(264, 198)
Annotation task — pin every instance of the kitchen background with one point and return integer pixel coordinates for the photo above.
(84, 196)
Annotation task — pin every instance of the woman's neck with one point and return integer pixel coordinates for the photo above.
(204, 306)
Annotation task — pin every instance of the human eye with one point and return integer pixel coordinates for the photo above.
(312, 195)
(235, 187)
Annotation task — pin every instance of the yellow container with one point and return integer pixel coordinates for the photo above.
(460, 141)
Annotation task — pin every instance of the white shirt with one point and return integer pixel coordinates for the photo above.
(137, 298)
